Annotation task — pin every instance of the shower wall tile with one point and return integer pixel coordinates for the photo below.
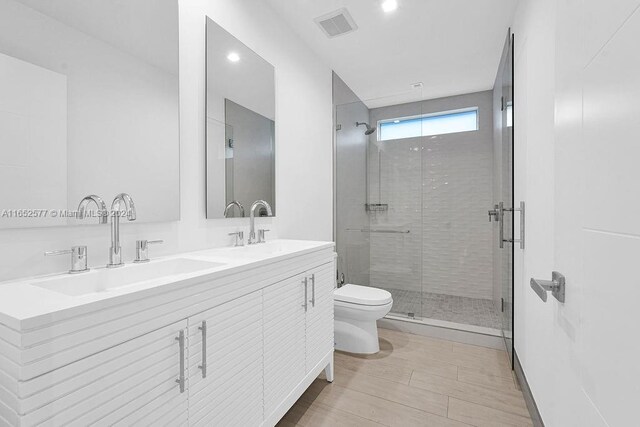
(439, 188)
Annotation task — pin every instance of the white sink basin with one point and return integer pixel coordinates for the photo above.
(106, 279)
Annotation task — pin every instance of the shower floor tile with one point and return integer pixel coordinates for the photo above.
(467, 311)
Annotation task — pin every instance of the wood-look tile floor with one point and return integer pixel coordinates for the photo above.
(414, 381)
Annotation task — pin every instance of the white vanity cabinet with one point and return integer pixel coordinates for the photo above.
(225, 364)
(232, 347)
(298, 336)
(131, 383)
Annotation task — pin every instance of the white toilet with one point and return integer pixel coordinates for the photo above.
(356, 310)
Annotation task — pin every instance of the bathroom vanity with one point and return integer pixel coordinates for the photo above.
(220, 337)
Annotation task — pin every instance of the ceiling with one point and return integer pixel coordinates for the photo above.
(451, 46)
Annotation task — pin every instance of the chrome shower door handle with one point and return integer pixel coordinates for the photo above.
(501, 211)
(500, 216)
(305, 282)
(521, 225)
(181, 379)
(313, 290)
(556, 285)
(203, 366)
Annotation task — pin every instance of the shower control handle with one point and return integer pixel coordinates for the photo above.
(493, 214)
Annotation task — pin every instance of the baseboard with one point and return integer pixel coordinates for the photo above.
(418, 327)
(526, 391)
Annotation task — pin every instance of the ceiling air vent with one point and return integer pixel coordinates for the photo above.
(336, 23)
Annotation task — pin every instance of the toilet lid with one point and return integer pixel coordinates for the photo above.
(363, 295)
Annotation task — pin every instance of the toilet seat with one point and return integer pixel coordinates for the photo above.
(362, 295)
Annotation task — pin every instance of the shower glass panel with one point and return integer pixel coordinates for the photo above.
(352, 220)
(395, 178)
(378, 200)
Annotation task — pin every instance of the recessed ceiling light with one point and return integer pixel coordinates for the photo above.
(233, 57)
(396, 121)
(389, 5)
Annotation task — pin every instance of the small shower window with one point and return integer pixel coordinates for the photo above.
(440, 123)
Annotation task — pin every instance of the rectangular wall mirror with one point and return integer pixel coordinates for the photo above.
(240, 127)
(89, 105)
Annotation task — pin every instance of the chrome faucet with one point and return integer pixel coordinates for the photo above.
(102, 207)
(252, 215)
(230, 207)
(115, 252)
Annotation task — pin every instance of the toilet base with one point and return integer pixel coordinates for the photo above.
(356, 336)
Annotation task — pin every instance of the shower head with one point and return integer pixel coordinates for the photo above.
(369, 130)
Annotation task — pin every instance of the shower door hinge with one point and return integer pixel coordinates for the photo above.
(338, 127)
(502, 103)
(502, 305)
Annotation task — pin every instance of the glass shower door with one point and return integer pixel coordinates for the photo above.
(506, 238)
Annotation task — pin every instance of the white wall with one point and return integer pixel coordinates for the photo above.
(576, 146)
(534, 32)
(303, 154)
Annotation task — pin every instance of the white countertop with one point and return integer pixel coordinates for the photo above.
(26, 306)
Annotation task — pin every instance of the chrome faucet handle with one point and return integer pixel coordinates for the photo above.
(261, 238)
(142, 249)
(78, 258)
(239, 238)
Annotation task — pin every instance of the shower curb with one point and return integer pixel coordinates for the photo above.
(441, 331)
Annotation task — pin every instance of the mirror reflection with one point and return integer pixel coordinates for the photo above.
(240, 127)
(89, 105)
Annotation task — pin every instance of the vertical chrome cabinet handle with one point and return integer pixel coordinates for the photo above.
(306, 293)
(313, 290)
(181, 380)
(203, 367)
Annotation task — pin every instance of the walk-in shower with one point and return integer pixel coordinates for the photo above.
(412, 194)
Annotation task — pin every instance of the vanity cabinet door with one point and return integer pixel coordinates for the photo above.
(131, 383)
(225, 364)
(319, 320)
(284, 340)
